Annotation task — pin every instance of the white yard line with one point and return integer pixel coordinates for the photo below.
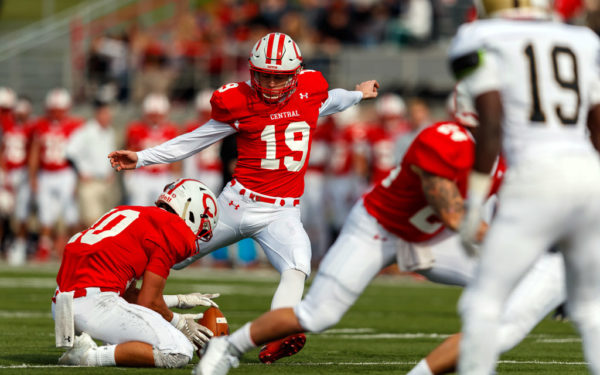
(296, 364)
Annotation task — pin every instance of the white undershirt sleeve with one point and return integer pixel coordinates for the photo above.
(338, 100)
(185, 145)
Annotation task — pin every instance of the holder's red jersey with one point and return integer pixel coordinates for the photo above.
(16, 139)
(140, 136)
(398, 203)
(122, 245)
(273, 140)
(54, 136)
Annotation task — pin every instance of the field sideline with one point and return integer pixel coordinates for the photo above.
(393, 325)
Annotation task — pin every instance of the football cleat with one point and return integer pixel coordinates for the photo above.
(218, 358)
(75, 356)
(285, 347)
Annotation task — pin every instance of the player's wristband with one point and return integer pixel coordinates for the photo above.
(171, 300)
(479, 186)
(175, 320)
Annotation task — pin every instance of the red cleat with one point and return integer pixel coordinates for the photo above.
(282, 348)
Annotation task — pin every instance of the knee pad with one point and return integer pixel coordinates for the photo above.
(169, 360)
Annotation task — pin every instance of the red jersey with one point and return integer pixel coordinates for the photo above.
(16, 139)
(208, 159)
(445, 149)
(54, 136)
(140, 136)
(273, 141)
(321, 145)
(382, 153)
(122, 245)
(347, 143)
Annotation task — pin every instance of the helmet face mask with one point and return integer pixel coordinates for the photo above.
(275, 63)
(193, 202)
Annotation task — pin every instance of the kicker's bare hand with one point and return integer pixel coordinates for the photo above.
(123, 159)
(368, 89)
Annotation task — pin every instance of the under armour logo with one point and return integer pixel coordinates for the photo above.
(235, 206)
(303, 95)
(68, 339)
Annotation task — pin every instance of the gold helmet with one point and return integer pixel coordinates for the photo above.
(514, 8)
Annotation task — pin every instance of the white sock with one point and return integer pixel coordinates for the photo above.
(289, 291)
(100, 356)
(422, 368)
(241, 339)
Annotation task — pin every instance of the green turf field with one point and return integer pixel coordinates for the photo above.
(394, 324)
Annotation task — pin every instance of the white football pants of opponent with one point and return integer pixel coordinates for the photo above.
(541, 203)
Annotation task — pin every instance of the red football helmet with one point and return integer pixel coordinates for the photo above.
(275, 57)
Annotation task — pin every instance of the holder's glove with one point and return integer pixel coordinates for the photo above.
(196, 333)
(188, 301)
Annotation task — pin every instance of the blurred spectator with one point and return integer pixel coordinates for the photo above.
(418, 119)
(98, 66)
(143, 185)
(154, 74)
(52, 179)
(417, 21)
(271, 12)
(116, 48)
(336, 22)
(87, 150)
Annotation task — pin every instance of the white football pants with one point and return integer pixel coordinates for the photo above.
(106, 316)
(540, 204)
(56, 197)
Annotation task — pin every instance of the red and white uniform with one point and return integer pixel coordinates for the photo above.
(274, 143)
(205, 166)
(16, 139)
(313, 207)
(144, 185)
(99, 263)
(56, 179)
(385, 227)
(121, 246)
(398, 203)
(382, 159)
(345, 184)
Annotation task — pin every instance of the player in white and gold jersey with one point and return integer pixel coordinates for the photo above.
(537, 89)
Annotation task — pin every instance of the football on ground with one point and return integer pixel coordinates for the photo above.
(214, 320)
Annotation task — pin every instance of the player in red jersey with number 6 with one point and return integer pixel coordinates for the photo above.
(274, 116)
(96, 293)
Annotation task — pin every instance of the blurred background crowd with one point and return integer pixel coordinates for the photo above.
(104, 75)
